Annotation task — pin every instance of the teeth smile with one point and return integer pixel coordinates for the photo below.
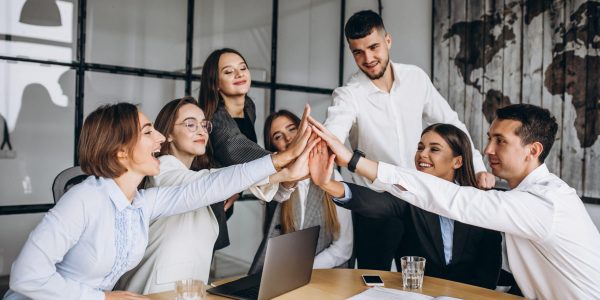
(424, 165)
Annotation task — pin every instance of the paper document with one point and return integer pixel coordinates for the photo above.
(381, 293)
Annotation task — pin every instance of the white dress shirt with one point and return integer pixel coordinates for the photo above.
(387, 126)
(553, 246)
(94, 234)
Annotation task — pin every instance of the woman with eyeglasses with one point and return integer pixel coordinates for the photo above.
(99, 228)
(181, 246)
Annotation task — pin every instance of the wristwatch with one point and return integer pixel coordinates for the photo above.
(354, 160)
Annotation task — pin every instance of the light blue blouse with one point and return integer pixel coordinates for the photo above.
(94, 235)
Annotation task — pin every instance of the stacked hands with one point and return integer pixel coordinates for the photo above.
(313, 153)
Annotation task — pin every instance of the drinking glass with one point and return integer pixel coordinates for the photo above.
(413, 268)
(189, 289)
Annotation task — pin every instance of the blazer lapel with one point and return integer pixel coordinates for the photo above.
(459, 239)
(432, 222)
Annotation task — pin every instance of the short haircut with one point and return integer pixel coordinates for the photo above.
(106, 131)
(362, 23)
(538, 125)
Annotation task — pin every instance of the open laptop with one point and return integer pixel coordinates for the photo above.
(288, 265)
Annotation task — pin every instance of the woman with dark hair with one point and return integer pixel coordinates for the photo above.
(307, 206)
(453, 250)
(99, 228)
(224, 87)
(181, 246)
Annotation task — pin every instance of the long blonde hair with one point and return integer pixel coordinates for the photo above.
(332, 225)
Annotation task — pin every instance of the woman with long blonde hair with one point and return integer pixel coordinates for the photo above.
(307, 206)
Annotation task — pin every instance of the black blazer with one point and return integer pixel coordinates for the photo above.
(476, 252)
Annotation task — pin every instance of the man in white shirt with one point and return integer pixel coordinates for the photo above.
(551, 242)
(382, 109)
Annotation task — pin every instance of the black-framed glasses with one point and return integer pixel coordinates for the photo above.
(193, 125)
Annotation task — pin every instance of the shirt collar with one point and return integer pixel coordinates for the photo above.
(115, 194)
(533, 177)
(118, 198)
(369, 86)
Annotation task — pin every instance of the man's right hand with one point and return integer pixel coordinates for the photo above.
(343, 155)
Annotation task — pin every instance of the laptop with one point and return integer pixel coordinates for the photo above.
(288, 265)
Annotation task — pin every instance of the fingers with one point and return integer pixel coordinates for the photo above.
(331, 161)
(304, 121)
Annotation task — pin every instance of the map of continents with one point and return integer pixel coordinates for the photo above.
(575, 67)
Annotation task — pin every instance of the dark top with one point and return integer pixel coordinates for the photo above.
(476, 252)
(246, 127)
(233, 143)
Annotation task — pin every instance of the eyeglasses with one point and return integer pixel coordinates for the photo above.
(193, 125)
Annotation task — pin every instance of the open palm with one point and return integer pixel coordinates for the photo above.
(321, 164)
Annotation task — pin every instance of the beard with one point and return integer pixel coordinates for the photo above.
(380, 74)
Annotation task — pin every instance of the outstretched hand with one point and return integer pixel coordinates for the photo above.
(299, 142)
(343, 155)
(320, 164)
(299, 169)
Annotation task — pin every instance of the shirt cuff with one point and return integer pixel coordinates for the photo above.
(387, 173)
(347, 195)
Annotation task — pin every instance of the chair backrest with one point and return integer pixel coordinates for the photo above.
(65, 180)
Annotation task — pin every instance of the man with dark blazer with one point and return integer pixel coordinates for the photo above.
(476, 252)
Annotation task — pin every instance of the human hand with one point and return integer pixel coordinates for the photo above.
(229, 202)
(486, 180)
(343, 155)
(114, 295)
(320, 164)
(299, 170)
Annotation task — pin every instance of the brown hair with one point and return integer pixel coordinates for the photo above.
(106, 131)
(165, 123)
(287, 208)
(210, 97)
(461, 146)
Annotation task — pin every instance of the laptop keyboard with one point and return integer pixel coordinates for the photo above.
(249, 293)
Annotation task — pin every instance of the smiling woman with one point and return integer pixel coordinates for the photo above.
(98, 230)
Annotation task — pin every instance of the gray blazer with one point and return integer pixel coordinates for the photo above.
(230, 145)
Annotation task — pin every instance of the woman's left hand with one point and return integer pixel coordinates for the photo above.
(299, 170)
(229, 202)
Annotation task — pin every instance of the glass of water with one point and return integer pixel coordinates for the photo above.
(413, 268)
(189, 289)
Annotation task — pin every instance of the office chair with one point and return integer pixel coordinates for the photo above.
(65, 180)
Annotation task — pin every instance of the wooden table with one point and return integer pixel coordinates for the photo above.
(344, 283)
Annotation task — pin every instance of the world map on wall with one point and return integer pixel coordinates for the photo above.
(575, 65)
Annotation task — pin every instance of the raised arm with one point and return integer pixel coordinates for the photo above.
(524, 214)
(342, 114)
(209, 189)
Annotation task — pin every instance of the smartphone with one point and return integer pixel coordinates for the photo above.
(372, 280)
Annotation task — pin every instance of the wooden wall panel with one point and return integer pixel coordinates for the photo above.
(591, 174)
(491, 53)
(456, 84)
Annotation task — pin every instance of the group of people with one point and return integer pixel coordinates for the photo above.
(154, 207)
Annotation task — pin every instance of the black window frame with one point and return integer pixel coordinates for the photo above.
(80, 65)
